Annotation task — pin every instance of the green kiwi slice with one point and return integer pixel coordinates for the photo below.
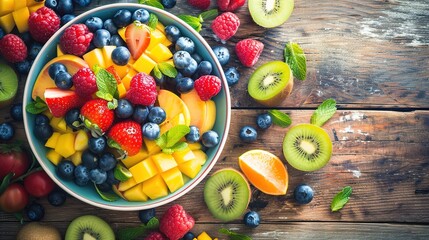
(8, 84)
(227, 194)
(271, 83)
(270, 13)
(89, 227)
(307, 147)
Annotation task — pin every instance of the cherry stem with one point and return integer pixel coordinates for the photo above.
(26, 174)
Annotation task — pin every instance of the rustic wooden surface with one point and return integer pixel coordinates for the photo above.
(373, 58)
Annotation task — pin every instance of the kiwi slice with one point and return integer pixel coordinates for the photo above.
(89, 227)
(227, 194)
(307, 147)
(270, 13)
(271, 83)
(8, 84)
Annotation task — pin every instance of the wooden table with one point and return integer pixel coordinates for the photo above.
(373, 58)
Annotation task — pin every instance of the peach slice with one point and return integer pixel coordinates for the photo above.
(203, 113)
(173, 105)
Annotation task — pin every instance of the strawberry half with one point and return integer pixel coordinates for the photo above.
(126, 136)
(61, 101)
(137, 37)
(97, 116)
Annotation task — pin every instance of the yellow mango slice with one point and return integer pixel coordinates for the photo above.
(65, 145)
(52, 141)
(35, 7)
(190, 168)
(135, 193)
(6, 6)
(53, 156)
(76, 158)
(200, 156)
(156, 36)
(160, 53)
(204, 236)
(130, 161)
(20, 17)
(94, 57)
(183, 156)
(7, 23)
(173, 178)
(164, 162)
(19, 4)
(144, 64)
(123, 186)
(143, 170)
(127, 79)
(155, 187)
(81, 140)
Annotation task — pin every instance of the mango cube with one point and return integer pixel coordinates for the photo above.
(52, 141)
(7, 22)
(94, 57)
(160, 27)
(20, 17)
(127, 79)
(121, 32)
(204, 236)
(81, 140)
(121, 90)
(130, 161)
(200, 156)
(20, 4)
(32, 2)
(53, 156)
(35, 7)
(143, 170)
(107, 55)
(76, 158)
(190, 168)
(195, 146)
(123, 186)
(65, 145)
(160, 53)
(6, 6)
(144, 64)
(60, 125)
(155, 187)
(135, 193)
(156, 37)
(183, 156)
(164, 162)
(151, 146)
(173, 178)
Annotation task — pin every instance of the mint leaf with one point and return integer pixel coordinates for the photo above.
(156, 72)
(341, 199)
(192, 21)
(153, 3)
(179, 146)
(106, 82)
(37, 106)
(110, 197)
(167, 69)
(131, 233)
(5, 182)
(324, 112)
(208, 15)
(153, 21)
(175, 134)
(279, 118)
(161, 141)
(295, 58)
(234, 236)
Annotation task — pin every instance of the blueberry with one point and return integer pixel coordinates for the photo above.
(156, 115)
(121, 55)
(63, 80)
(173, 33)
(124, 109)
(26, 37)
(64, 7)
(210, 138)
(97, 176)
(141, 15)
(193, 135)
(107, 162)
(104, 187)
(41, 119)
(52, 4)
(264, 120)
(248, 134)
(65, 169)
(116, 40)
(81, 175)
(35, 211)
(67, 18)
(82, 3)
(2, 33)
(190, 69)
(34, 50)
(251, 219)
(72, 118)
(16, 112)
(232, 76)
(89, 159)
(168, 3)
(43, 132)
(146, 215)
(101, 38)
(110, 26)
(185, 85)
(189, 236)
(57, 197)
(204, 68)
(111, 180)
(185, 44)
(56, 68)
(23, 67)
(222, 54)
(94, 23)
(122, 18)
(151, 130)
(140, 114)
(303, 194)
(6, 131)
(197, 57)
(181, 59)
(97, 145)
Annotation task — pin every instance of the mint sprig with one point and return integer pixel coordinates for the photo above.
(324, 112)
(110, 197)
(233, 235)
(131, 233)
(167, 69)
(37, 106)
(279, 118)
(295, 58)
(169, 142)
(341, 199)
(153, 3)
(106, 84)
(196, 22)
(153, 21)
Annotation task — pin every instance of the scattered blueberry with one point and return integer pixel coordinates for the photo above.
(94, 23)
(6, 131)
(101, 38)
(204, 68)
(156, 115)
(97, 145)
(116, 40)
(121, 55)
(89, 159)
(189, 236)
(34, 50)
(23, 67)
(52, 4)
(2, 33)
(222, 54)
(63, 80)
(210, 138)
(248, 134)
(189, 70)
(124, 109)
(65, 169)
(140, 114)
(232, 76)
(72, 118)
(97, 176)
(197, 57)
(146, 215)
(107, 161)
(173, 33)
(16, 112)
(151, 130)
(35, 211)
(122, 18)
(303, 194)
(110, 26)
(41, 119)
(67, 18)
(64, 7)
(193, 135)
(168, 3)
(181, 59)
(82, 3)
(81, 175)
(57, 197)
(141, 15)
(184, 85)
(251, 219)
(56, 68)
(111, 180)
(42, 132)
(185, 44)
(264, 120)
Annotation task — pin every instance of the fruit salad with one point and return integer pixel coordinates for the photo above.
(126, 105)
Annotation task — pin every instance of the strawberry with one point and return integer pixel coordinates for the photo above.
(43, 23)
(97, 116)
(137, 37)
(84, 82)
(230, 5)
(248, 51)
(61, 101)
(126, 136)
(13, 48)
(142, 90)
(200, 4)
(207, 86)
(225, 25)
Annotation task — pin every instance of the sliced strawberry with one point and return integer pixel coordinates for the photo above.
(137, 37)
(61, 101)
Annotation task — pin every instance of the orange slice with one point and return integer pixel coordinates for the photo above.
(265, 171)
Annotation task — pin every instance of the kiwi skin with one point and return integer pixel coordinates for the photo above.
(36, 230)
(89, 224)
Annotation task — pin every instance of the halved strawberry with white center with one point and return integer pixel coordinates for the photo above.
(61, 101)
(137, 37)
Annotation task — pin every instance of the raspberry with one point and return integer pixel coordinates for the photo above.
(207, 86)
(230, 5)
(43, 23)
(175, 222)
(84, 82)
(225, 25)
(248, 51)
(155, 236)
(13, 48)
(200, 4)
(142, 90)
(76, 39)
